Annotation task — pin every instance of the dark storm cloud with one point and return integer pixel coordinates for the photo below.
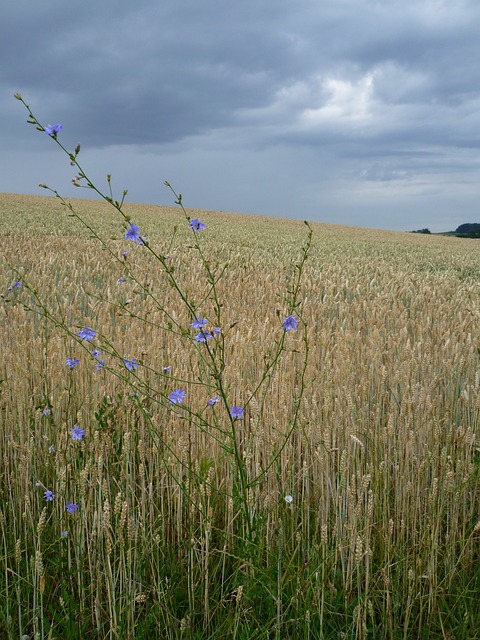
(148, 73)
(375, 92)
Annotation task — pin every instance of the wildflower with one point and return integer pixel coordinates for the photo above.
(217, 331)
(166, 369)
(124, 254)
(288, 499)
(64, 533)
(99, 364)
(51, 448)
(17, 285)
(290, 323)
(77, 432)
(71, 508)
(53, 129)
(96, 353)
(121, 280)
(48, 495)
(46, 411)
(199, 322)
(177, 396)
(38, 484)
(213, 401)
(196, 225)
(71, 362)
(132, 365)
(133, 234)
(236, 412)
(87, 333)
(203, 336)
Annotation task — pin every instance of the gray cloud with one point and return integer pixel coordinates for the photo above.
(314, 100)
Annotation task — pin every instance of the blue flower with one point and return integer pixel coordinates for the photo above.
(133, 234)
(290, 323)
(99, 364)
(177, 396)
(203, 336)
(132, 364)
(166, 369)
(87, 333)
(17, 285)
(46, 411)
(96, 353)
(213, 401)
(199, 322)
(77, 432)
(48, 495)
(71, 508)
(121, 280)
(64, 533)
(236, 412)
(53, 129)
(197, 225)
(71, 362)
(217, 331)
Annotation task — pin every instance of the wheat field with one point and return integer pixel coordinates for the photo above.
(361, 521)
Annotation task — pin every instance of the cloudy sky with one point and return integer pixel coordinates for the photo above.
(358, 112)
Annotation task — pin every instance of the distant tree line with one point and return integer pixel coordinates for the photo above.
(466, 230)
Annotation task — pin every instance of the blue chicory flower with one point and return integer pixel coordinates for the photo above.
(53, 129)
(46, 411)
(48, 495)
(213, 401)
(133, 234)
(177, 396)
(71, 362)
(71, 508)
(199, 323)
(99, 364)
(203, 336)
(290, 323)
(87, 333)
(77, 432)
(197, 225)
(132, 364)
(236, 412)
(17, 285)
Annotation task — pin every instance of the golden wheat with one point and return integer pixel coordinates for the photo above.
(382, 467)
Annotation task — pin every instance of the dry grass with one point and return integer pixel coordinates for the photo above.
(381, 540)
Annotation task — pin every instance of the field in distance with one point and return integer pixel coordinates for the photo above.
(381, 537)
